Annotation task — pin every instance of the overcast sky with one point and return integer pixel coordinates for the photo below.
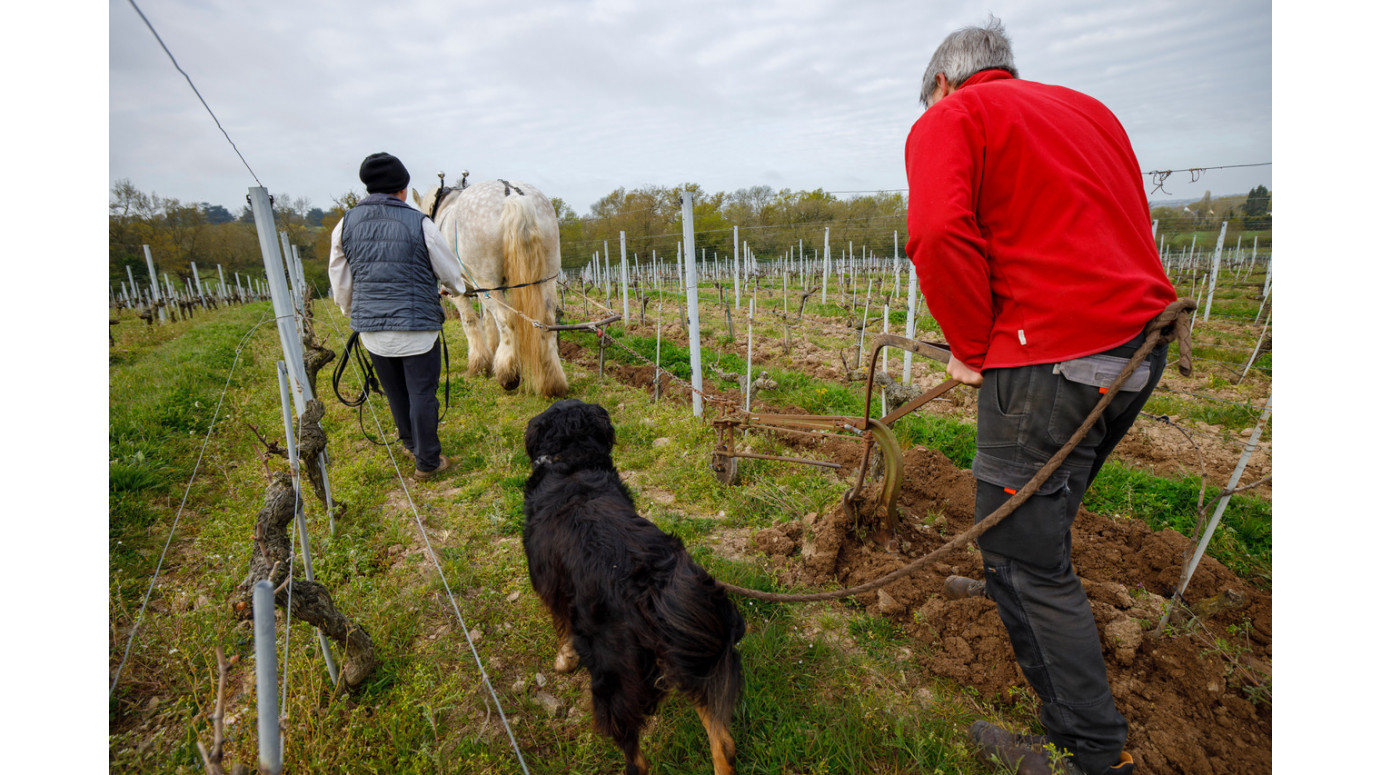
(580, 98)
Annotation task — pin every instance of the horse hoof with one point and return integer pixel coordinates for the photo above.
(511, 385)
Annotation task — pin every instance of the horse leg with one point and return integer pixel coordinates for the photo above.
(491, 336)
(480, 353)
(506, 368)
(552, 380)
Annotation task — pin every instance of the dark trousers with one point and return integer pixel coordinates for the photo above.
(410, 384)
(1025, 415)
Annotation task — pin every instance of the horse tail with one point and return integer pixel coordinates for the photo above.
(526, 260)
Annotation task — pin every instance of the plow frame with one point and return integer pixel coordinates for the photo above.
(866, 429)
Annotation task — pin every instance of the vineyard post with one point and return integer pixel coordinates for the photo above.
(608, 275)
(623, 272)
(824, 298)
(1232, 481)
(1216, 264)
(132, 287)
(200, 291)
(886, 329)
(299, 278)
(785, 316)
(910, 326)
(692, 300)
(1265, 292)
(862, 330)
(153, 282)
(291, 267)
(896, 263)
(1254, 244)
(1256, 351)
(295, 466)
(656, 375)
(736, 300)
(221, 270)
(747, 397)
(1236, 277)
(853, 274)
(266, 679)
(288, 337)
(169, 293)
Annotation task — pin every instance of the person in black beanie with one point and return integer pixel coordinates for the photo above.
(387, 261)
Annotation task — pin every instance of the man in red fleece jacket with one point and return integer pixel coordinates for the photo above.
(1030, 235)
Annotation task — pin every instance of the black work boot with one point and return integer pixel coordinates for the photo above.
(960, 587)
(1026, 754)
(1031, 754)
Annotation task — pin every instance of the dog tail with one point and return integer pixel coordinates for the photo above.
(701, 658)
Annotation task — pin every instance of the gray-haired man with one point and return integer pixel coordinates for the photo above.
(1030, 234)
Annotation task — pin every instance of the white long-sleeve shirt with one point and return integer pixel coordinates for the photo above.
(396, 344)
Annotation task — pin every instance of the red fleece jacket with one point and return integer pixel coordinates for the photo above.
(1029, 227)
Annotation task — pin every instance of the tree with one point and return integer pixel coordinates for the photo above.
(1257, 209)
(216, 213)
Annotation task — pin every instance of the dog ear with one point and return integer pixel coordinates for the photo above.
(536, 431)
(603, 425)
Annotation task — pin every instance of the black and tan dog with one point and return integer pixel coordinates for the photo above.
(627, 601)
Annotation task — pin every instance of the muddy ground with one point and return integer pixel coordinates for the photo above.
(1196, 699)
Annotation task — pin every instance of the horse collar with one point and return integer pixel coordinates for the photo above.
(440, 197)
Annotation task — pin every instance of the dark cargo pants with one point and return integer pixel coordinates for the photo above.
(410, 384)
(1025, 415)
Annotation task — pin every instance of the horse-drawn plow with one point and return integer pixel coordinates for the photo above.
(866, 429)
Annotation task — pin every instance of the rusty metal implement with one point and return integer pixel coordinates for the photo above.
(866, 429)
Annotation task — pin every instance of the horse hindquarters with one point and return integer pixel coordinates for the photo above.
(526, 350)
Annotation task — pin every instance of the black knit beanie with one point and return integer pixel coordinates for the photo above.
(382, 173)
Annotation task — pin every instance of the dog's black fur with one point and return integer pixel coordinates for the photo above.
(641, 615)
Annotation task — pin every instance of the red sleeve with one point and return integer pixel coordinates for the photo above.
(944, 167)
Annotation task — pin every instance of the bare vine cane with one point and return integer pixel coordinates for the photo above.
(1177, 314)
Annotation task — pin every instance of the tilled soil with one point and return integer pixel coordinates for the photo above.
(1187, 695)
(1196, 699)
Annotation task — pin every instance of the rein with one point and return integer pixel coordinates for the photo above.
(371, 380)
(477, 291)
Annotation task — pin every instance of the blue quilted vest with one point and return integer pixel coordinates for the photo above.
(395, 288)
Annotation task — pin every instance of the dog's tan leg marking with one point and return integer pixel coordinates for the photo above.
(640, 762)
(720, 743)
(567, 661)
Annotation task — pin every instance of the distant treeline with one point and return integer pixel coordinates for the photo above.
(1246, 216)
(769, 221)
